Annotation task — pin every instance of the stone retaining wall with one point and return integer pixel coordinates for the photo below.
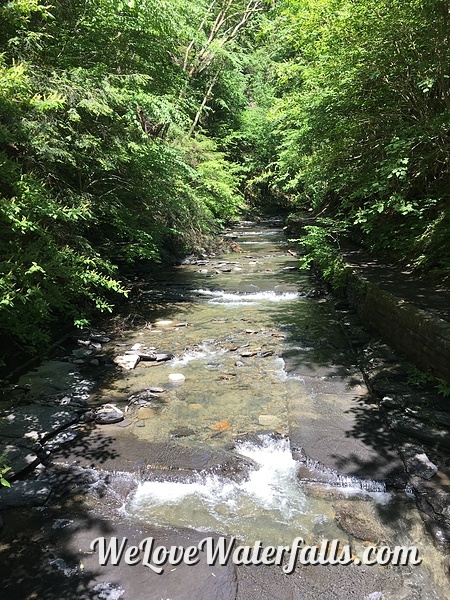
(421, 336)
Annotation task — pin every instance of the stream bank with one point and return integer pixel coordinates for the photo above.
(266, 432)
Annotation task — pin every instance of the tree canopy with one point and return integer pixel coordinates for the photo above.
(132, 130)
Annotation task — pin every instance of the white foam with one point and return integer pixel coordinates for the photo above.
(203, 351)
(272, 494)
(254, 243)
(248, 299)
(271, 232)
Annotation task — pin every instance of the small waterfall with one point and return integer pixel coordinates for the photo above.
(270, 501)
(344, 481)
(245, 299)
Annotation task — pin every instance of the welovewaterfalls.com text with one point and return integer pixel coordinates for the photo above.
(223, 550)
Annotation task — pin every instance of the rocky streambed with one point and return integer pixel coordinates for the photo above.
(227, 400)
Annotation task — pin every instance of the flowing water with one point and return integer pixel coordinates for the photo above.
(246, 329)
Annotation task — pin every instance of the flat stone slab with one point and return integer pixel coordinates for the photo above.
(36, 421)
(127, 361)
(52, 376)
(24, 493)
(345, 433)
(18, 458)
(64, 566)
(321, 582)
(120, 450)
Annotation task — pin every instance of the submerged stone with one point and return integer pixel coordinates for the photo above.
(176, 377)
(107, 414)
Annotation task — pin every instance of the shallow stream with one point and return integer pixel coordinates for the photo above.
(246, 328)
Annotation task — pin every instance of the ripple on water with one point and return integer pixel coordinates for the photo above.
(245, 299)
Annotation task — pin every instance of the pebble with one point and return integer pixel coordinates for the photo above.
(176, 377)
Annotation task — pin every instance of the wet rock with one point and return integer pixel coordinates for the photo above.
(222, 426)
(95, 362)
(88, 417)
(417, 462)
(18, 459)
(176, 377)
(101, 339)
(389, 402)
(266, 353)
(127, 361)
(36, 421)
(182, 432)
(239, 363)
(144, 397)
(60, 439)
(125, 423)
(107, 414)
(95, 346)
(433, 496)
(24, 493)
(183, 460)
(359, 519)
(146, 413)
(164, 357)
(148, 356)
(416, 428)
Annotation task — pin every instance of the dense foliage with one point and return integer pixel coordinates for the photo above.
(363, 111)
(131, 130)
(99, 164)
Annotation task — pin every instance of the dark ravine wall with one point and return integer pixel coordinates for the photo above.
(422, 337)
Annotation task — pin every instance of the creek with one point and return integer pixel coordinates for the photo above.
(262, 353)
